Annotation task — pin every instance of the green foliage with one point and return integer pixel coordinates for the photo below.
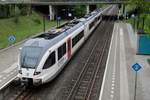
(143, 10)
(24, 9)
(24, 28)
(4, 11)
(80, 10)
(16, 16)
(147, 24)
(100, 5)
(130, 8)
(141, 5)
(12, 10)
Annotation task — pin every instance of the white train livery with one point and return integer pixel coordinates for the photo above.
(44, 56)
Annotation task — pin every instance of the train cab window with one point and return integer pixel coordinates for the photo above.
(50, 61)
(30, 56)
(61, 51)
(77, 38)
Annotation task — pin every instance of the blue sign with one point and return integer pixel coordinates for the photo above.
(136, 67)
(11, 39)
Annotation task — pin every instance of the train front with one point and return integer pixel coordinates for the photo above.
(28, 62)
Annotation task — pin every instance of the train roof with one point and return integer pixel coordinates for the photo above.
(51, 37)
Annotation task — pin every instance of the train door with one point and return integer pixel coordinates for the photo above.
(86, 31)
(69, 48)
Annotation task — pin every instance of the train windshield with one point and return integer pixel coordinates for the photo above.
(30, 57)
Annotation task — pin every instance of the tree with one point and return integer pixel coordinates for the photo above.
(80, 10)
(24, 9)
(142, 8)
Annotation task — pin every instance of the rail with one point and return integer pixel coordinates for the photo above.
(85, 82)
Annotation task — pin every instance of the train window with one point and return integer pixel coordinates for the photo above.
(77, 38)
(50, 61)
(91, 25)
(61, 51)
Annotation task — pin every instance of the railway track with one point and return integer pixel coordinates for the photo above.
(25, 93)
(84, 84)
(87, 85)
(95, 85)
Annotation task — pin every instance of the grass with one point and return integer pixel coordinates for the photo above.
(146, 25)
(26, 27)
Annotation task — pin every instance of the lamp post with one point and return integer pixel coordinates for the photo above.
(133, 16)
(43, 23)
(143, 21)
(12, 41)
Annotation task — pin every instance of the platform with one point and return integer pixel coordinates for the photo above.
(119, 78)
(8, 64)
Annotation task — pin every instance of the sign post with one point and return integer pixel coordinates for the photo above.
(43, 23)
(136, 67)
(58, 21)
(133, 16)
(11, 41)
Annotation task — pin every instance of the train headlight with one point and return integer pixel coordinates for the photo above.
(20, 71)
(37, 73)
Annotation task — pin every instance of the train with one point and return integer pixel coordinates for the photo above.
(42, 57)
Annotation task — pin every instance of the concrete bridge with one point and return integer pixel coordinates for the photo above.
(61, 2)
(52, 4)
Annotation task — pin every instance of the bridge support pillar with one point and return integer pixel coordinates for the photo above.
(51, 12)
(87, 9)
